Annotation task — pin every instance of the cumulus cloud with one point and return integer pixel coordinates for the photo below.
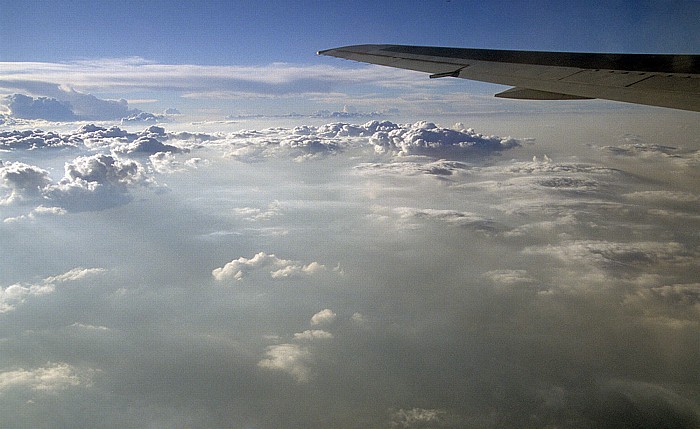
(26, 107)
(35, 139)
(323, 317)
(418, 418)
(55, 102)
(89, 183)
(313, 334)
(290, 358)
(279, 268)
(426, 138)
(385, 137)
(50, 378)
(16, 294)
(24, 181)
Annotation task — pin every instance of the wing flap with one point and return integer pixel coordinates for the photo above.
(532, 94)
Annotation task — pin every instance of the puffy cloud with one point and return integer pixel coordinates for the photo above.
(418, 418)
(26, 107)
(144, 117)
(323, 317)
(280, 268)
(23, 180)
(313, 334)
(35, 139)
(421, 138)
(97, 182)
(426, 138)
(90, 182)
(16, 294)
(290, 358)
(49, 378)
(146, 145)
(55, 102)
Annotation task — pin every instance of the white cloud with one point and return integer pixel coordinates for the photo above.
(508, 277)
(26, 107)
(323, 317)
(255, 214)
(441, 168)
(75, 274)
(426, 138)
(37, 212)
(119, 74)
(280, 268)
(49, 378)
(16, 294)
(290, 358)
(417, 417)
(646, 253)
(313, 334)
(24, 181)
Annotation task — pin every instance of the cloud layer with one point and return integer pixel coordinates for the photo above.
(349, 275)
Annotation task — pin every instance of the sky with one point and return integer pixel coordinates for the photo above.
(206, 225)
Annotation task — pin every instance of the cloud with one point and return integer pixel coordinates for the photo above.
(36, 213)
(323, 317)
(35, 139)
(357, 349)
(24, 181)
(645, 253)
(75, 274)
(426, 138)
(16, 294)
(97, 182)
(313, 334)
(280, 268)
(254, 214)
(417, 418)
(290, 358)
(55, 102)
(199, 80)
(141, 117)
(50, 378)
(421, 138)
(441, 168)
(25, 107)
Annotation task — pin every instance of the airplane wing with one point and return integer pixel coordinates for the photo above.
(656, 80)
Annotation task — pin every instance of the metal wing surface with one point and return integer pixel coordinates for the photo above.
(651, 79)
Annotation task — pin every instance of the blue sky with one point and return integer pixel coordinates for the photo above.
(243, 32)
(217, 59)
